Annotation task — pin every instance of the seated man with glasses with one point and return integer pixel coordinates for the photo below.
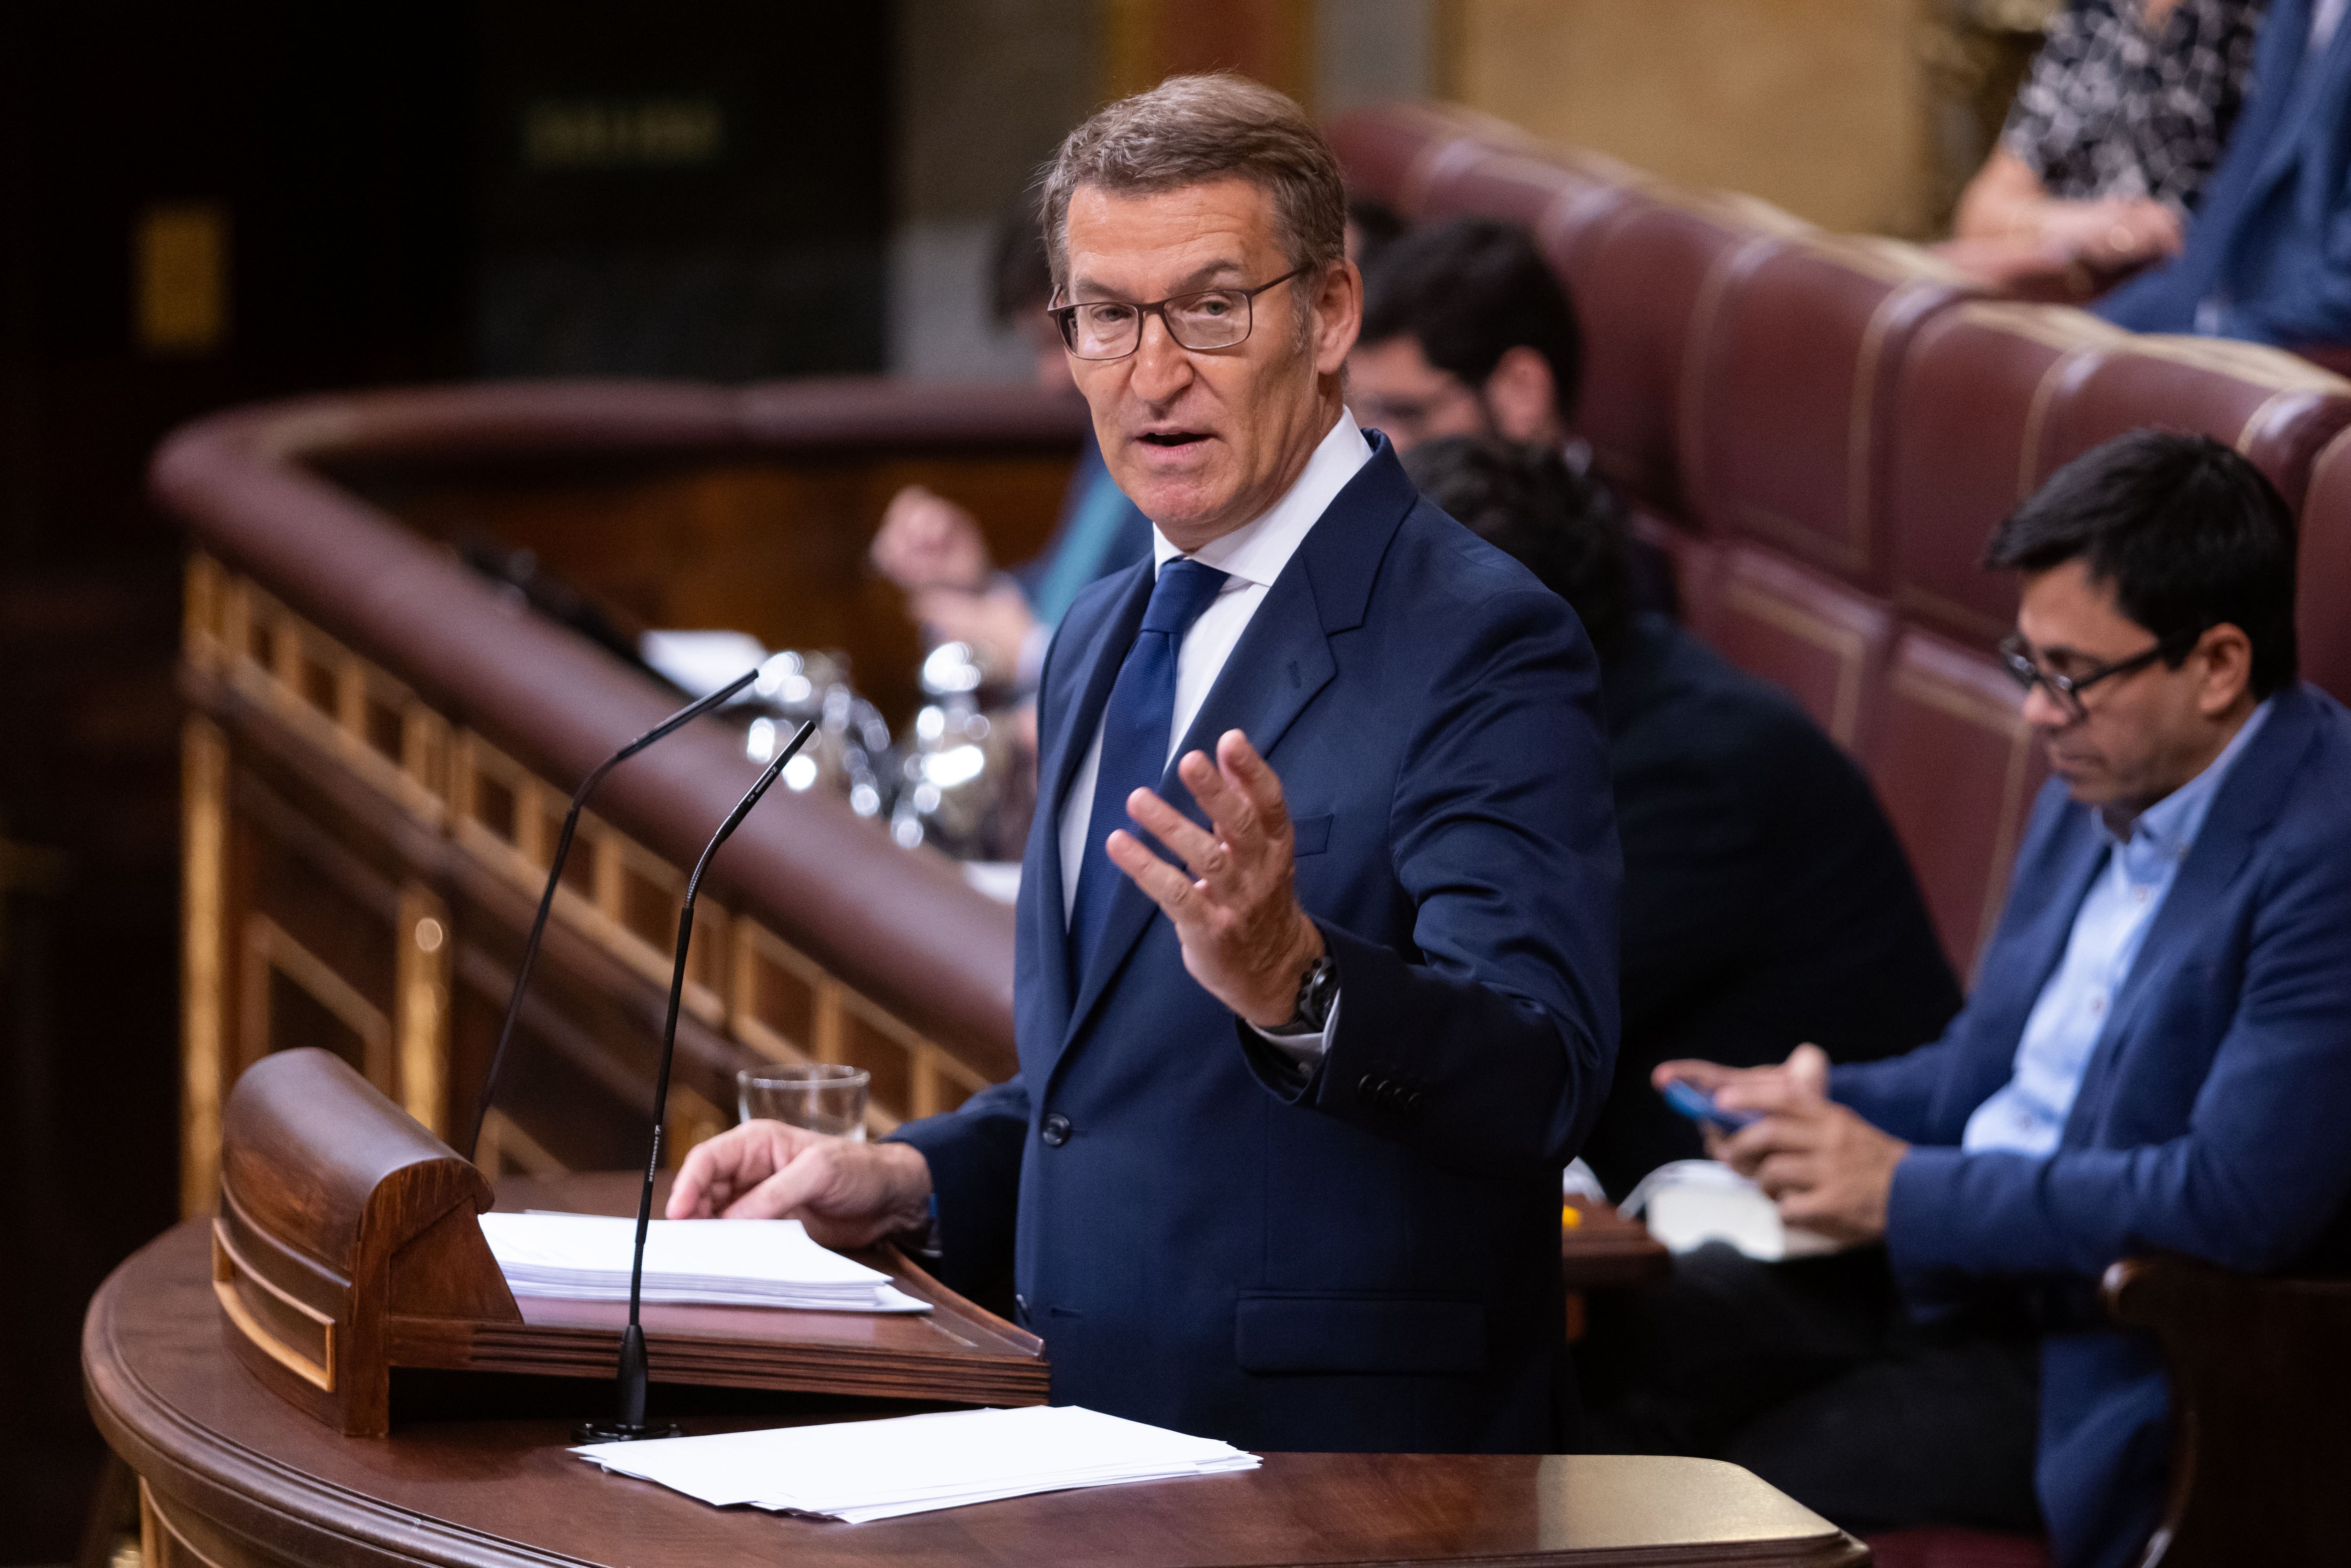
(2153, 1060)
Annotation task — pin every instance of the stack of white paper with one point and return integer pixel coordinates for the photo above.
(727, 1262)
(1690, 1203)
(861, 1471)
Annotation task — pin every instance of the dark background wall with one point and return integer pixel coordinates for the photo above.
(315, 197)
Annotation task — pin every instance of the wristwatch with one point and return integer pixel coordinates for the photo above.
(1318, 988)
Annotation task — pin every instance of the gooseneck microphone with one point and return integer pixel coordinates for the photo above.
(676, 721)
(629, 1425)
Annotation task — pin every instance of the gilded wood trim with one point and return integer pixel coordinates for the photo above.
(268, 945)
(420, 1006)
(204, 914)
(504, 1144)
(227, 1269)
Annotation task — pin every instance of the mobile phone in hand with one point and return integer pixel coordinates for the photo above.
(1699, 1105)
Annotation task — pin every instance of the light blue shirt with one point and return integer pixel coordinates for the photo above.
(2028, 1114)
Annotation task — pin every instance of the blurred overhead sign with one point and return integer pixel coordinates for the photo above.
(610, 133)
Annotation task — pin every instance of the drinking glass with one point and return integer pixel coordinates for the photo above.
(823, 1097)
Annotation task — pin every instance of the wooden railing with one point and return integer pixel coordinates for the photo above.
(380, 749)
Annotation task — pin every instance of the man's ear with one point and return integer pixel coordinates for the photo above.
(2227, 657)
(1337, 317)
(1522, 398)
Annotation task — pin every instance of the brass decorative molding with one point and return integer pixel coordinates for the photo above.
(421, 1006)
(203, 946)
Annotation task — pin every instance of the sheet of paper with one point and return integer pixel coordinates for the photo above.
(728, 1262)
(861, 1470)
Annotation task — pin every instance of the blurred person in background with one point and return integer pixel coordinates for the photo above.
(1465, 332)
(934, 550)
(2268, 255)
(1371, 227)
(1766, 901)
(2116, 130)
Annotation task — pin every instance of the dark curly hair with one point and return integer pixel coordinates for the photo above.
(1569, 530)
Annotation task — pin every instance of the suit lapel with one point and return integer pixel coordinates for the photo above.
(1281, 662)
(2247, 802)
(1096, 672)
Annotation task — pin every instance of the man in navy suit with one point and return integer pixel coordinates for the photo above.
(1281, 1161)
(2153, 1060)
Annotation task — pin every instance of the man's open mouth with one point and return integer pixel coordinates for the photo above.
(1173, 437)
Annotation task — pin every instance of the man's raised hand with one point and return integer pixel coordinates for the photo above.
(1246, 938)
(847, 1194)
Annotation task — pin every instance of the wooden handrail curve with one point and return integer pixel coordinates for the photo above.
(257, 487)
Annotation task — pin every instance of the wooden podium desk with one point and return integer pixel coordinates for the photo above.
(233, 1477)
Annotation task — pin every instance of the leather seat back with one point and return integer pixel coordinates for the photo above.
(1957, 768)
(1821, 640)
(1788, 391)
(2322, 625)
(1966, 443)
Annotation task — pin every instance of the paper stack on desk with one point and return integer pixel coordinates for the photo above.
(861, 1471)
(722, 1262)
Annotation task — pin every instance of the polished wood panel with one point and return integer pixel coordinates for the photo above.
(234, 1476)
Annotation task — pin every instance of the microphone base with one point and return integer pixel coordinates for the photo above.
(624, 1431)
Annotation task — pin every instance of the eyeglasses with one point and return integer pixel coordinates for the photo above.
(1211, 319)
(2066, 690)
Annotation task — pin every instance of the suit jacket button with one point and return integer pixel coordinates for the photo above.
(1368, 1088)
(1055, 1132)
(1414, 1101)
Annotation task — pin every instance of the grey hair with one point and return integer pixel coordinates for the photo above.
(1193, 129)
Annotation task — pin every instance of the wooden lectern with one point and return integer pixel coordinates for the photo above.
(346, 1244)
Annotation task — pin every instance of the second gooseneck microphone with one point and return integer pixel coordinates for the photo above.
(676, 721)
(629, 1424)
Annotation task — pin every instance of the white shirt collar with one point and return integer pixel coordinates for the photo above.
(1258, 551)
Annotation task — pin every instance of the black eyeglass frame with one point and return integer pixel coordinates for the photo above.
(1065, 317)
(2067, 690)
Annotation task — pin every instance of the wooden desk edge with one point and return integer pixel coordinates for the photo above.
(277, 1514)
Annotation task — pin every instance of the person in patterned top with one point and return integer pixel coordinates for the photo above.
(2116, 128)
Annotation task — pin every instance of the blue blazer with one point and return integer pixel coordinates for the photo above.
(1367, 1260)
(2209, 1121)
(2271, 241)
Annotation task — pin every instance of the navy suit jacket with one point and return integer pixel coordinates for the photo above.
(2209, 1119)
(2271, 241)
(1367, 1258)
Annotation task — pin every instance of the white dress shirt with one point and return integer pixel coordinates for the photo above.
(2027, 1115)
(1250, 557)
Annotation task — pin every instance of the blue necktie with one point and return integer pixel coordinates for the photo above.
(1135, 726)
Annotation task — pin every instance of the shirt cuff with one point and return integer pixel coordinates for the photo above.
(1304, 1050)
